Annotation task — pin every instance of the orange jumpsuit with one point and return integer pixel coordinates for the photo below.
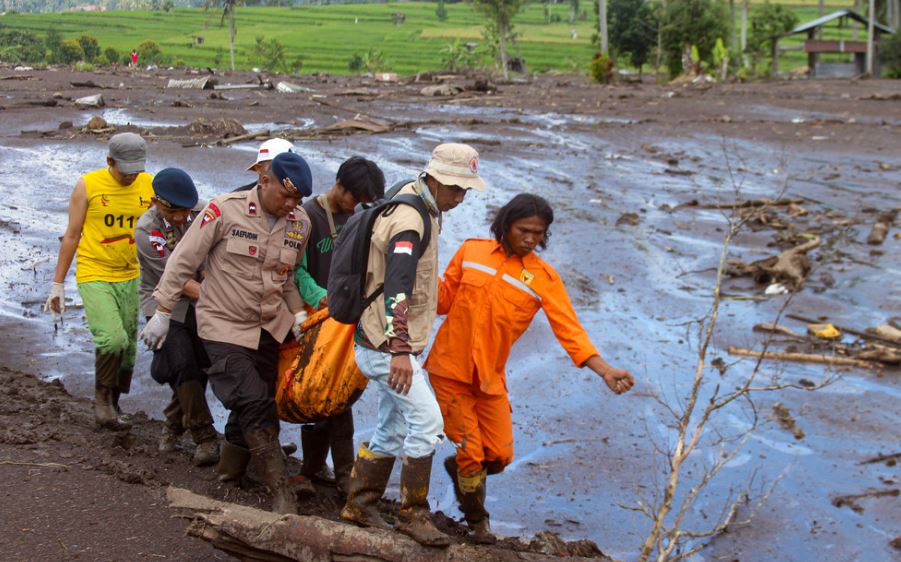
(490, 299)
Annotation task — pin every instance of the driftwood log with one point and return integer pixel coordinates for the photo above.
(806, 358)
(880, 229)
(252, 534)
(789, 268)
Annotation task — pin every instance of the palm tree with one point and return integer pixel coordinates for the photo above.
(228, 11)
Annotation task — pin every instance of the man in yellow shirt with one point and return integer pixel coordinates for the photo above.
(103, 210)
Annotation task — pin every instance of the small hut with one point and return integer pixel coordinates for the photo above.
(815, 45)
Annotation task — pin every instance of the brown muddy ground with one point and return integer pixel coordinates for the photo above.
(64, 512)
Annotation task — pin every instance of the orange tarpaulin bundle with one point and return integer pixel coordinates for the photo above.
(318, 377)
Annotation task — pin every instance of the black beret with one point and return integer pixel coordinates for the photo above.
(176, 188)
(294, 173)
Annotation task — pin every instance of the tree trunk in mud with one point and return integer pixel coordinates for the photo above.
(602, 27)
(252, 534)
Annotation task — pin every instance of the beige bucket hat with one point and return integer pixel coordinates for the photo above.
(456, 164)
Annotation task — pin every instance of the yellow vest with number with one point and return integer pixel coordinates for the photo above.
(107, 251)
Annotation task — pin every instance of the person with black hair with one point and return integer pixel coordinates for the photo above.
(491, 291)
(358, 181)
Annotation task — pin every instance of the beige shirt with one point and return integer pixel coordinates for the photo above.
(424, 301)
(249, 281)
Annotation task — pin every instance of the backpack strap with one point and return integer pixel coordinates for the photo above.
(323, 202)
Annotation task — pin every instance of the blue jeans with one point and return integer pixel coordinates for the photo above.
(411, 425)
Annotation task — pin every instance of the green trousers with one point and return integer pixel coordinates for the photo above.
(112, 313)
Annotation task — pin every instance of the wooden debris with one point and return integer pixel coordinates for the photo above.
(806, 358)
(880, 229)
(748, 204)
(772, 328)
(88, 84)
(239, 138)
(786, 420)
(850, 500)
(890, 459)
(789, 268)
(881, 353)
(864, 335)
(369, 125)
(252, 534)
(886, 331)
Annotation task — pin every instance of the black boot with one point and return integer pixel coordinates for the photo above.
(368, 481)
(414, 518)
(264, 446)
(314, 441)
(341, 441)
(470, 492)
(233, 460)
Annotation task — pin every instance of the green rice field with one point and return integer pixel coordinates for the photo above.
(325, 38)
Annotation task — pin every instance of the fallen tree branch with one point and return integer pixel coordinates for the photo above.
(894, 458)
(864, 335)
(239, 138)
(53, 465)
(253, 534)
(790, 267)
(804, 358)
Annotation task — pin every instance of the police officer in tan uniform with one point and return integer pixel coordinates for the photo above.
(249, 303)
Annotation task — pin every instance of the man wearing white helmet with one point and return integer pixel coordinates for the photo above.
(268, 150)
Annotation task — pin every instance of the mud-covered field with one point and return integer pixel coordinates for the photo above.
(633, 172)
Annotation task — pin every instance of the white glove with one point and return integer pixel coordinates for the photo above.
(57, 293)
(299, 319)
(154, 333)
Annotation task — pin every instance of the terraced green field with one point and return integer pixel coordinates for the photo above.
(326, 37)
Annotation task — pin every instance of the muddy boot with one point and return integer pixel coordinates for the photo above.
(172, 426)
(264, 447)
(341, 442)
(470, 493)
(368, 481)
(106, 368)
(233, 460)
(104, 413)
(314, 440)
(414, 518)
(197, 417)
(343, 459)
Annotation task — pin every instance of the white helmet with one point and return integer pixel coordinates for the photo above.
(270, 149)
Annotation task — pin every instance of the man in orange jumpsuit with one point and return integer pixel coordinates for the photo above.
(491, 291)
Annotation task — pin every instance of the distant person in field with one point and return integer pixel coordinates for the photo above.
(134, 58)
(491, 290)
(103, 211)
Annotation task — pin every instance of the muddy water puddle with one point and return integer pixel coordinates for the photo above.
(581, 452)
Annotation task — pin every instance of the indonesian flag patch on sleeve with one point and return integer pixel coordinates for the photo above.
(158, 242)
(403, 248)
(210, 214)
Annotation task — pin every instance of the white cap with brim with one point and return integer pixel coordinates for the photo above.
(456, 164)
(270, 149)
(129, 151)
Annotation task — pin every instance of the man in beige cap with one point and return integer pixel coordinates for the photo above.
(103, 211)
(391, 334)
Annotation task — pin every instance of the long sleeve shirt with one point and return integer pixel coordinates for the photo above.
(490, 299)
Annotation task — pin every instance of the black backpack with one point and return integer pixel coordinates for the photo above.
(347, 276)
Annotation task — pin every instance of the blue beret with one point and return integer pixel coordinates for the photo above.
(294, 173)
(175, 188)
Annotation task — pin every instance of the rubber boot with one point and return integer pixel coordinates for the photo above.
(106, 369)
(172, 426)
(314, 441)
(414, 518)
(265, 448)
(341, 441)
(233, 460)
(197, 418)
(471, 501)
(367, 484)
